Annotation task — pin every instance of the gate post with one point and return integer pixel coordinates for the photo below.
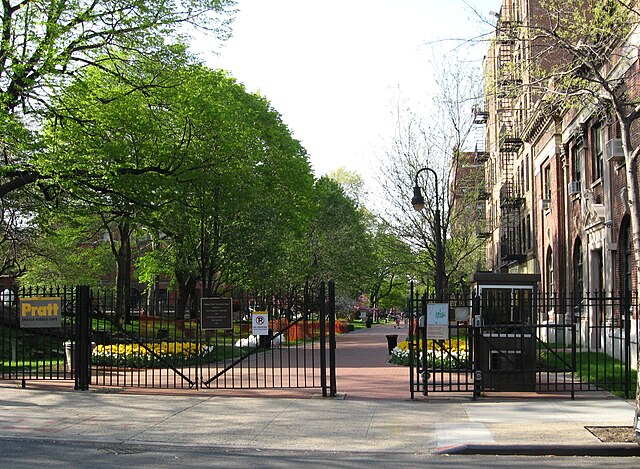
(332, 338)
(83, 337)
(412, 321)
(473, 346)
(323, 338)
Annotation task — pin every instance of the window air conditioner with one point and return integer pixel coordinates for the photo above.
(574, 187)
(545, 204)
(613, 150)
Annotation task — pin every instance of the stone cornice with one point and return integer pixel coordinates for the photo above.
(537, 124)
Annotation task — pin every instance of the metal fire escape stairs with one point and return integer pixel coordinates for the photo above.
(509, 87)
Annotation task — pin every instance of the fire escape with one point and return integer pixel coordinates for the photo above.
(481, 156)
(508, 90)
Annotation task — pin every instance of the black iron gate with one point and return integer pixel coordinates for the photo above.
(149, 346)
(567, 345)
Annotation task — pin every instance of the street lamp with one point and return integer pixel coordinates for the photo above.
(418, 204)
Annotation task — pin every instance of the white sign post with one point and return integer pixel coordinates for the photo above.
(438, 321)
(260, 322)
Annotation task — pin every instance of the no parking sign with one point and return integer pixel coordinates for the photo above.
(260, 322)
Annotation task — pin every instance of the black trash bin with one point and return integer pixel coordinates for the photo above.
(392, 342)
(265, 340)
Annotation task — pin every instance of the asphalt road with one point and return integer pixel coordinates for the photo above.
(28, 453)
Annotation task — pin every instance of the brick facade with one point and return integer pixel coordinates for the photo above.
(565, 184)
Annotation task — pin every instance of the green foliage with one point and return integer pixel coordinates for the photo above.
(151, 157)
(391, 265)
(45, 46)
(66, 251)
(239, 207)
(340, 243)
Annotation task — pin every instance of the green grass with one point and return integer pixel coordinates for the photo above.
(31, 365)
(601, 368)
(595, 368)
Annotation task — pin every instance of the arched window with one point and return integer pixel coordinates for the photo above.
(578, 277)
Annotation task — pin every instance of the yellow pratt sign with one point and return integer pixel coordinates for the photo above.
(40, 312)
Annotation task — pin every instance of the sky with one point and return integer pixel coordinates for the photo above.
(334, 68)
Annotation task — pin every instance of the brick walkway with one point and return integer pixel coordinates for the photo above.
(362, 371)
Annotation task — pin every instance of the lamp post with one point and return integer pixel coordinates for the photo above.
(418, 204)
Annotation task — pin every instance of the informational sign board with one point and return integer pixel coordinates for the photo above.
(438, 321)
(260, 322)
(40, 312)
(216, 313)
(463, 314)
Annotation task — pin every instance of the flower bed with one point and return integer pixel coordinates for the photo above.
(447, 354)
(147, 356)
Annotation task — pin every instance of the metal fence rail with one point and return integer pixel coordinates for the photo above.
(566, 345)
(149, 346)
(36, 353)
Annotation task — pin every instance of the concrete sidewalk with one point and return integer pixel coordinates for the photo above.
(307, 424)
(372, 413)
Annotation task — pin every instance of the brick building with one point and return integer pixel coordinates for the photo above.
(555, 176)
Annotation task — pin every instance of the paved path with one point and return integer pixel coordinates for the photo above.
(362, 371)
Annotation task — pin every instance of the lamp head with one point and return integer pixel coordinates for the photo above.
(417, 201)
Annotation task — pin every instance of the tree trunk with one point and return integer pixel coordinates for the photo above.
(186, 284)
(123, 274)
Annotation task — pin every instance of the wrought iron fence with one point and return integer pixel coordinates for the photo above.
(148, 346)
(526, 344)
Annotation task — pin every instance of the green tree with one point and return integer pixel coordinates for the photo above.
(238, 210)
(111, 146)
(352, 184)
(68, 249)
(45, 44)
(340, 243)
(391, 265)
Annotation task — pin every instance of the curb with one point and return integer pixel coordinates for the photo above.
(617, 450)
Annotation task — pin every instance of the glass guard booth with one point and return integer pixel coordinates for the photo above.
(504, 325)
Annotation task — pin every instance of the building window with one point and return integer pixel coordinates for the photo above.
(597, 151)
(521, 188)
(546, 190)
(576, 162)
(578, 279)
(597, 284)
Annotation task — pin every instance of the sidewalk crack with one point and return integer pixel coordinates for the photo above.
(373, 414)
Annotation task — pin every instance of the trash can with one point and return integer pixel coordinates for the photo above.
(69, 360)
(265, 340)
(392, 342)
(69, 355)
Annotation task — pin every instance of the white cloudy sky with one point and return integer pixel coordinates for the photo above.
(333, 68)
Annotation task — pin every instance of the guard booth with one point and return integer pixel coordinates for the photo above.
(504, 331)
